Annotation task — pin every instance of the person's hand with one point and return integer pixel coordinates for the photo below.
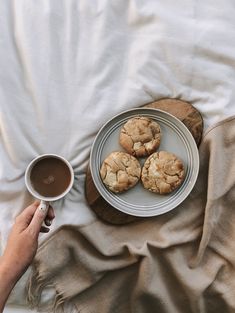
(23, 240)
(22, 246)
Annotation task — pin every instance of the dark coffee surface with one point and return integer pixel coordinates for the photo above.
(50, 177)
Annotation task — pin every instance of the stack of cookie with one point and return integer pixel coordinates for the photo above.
(162, 171)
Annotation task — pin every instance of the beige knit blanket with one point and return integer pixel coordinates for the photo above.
(180, 262)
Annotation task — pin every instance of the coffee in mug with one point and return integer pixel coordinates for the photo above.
(49, 177)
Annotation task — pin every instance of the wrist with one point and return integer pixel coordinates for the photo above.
(7, 282)
(7, 272)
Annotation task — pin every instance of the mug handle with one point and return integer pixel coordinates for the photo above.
(43, 206)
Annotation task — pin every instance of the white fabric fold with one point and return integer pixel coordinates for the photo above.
(67, 66)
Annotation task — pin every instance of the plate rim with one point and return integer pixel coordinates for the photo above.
(196, 160)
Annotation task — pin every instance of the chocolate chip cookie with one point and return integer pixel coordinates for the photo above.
(140, 136)
(162, 172)
(120, 171)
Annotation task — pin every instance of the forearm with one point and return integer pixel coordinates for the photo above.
(21, 247)
(7, 281)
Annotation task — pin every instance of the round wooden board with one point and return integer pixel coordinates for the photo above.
(185, 112)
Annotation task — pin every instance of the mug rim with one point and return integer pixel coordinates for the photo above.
(29, 185)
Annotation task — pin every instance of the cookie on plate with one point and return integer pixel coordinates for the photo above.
(162, 172)
(140, 136)
(120, 171)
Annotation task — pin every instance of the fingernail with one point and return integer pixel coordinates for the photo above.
(42, 208)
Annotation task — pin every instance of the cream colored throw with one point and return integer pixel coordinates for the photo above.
(67, 66)
(180, 262)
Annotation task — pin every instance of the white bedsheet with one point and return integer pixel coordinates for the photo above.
(66, 66)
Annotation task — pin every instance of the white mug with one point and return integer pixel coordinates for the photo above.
(45, 201)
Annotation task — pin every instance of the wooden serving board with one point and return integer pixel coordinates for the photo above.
(185, 112)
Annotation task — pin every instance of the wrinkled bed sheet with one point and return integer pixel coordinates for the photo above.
(67, 66)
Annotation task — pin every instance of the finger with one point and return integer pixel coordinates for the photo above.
(37, 220)
(25, 217)
(50, 216)
(51, 213)
(44, 229)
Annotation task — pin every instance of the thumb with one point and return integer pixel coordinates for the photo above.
(37, 220)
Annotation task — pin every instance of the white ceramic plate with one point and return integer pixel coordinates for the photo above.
(176, 138)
